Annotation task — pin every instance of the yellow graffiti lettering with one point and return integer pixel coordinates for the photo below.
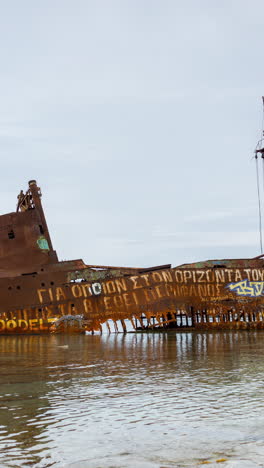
(146, 294)
(229, 274)
(121, 285)
(87, 305)
(33, 323)
(127, 300)
(110, 287)
(167, 276)
(202, 290)
(118, 302)
(86, 289)
(247, 271)
(238, 276)
(146, 279)
(184, 290)
(210, 290)
(61, 308)
(107, 303)
(187, 275)
(201, 276)
(179, 276)
(134, 281)
(258, 286)
(247, 288)
(23, 324)
(11, 324)
(51, 294)
(261, 274)
(135, 297)
(60, 294)
(157, 277)
(157, 289)
(208, 277)
(193, 291)
(220, 276)
(40, 292)
(77, 290)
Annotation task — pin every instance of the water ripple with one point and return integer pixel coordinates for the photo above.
(156, 400)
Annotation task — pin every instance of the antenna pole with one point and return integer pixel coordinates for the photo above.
(259, 206)
(260, 150)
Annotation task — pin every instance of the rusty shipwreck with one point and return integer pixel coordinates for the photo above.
(40, 294)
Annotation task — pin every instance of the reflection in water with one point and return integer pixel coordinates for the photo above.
(146, 400)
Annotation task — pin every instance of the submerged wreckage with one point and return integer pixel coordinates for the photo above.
(40, 294)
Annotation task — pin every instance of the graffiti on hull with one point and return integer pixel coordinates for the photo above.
(247, 288)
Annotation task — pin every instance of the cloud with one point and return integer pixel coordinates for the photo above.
(138, 120)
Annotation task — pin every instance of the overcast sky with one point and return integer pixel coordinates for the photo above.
(139, 120)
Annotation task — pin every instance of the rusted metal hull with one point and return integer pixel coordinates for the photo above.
(78, 301)
(41, 295)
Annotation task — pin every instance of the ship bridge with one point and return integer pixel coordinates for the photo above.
(24, 236)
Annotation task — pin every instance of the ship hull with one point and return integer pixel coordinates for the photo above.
(83, 301)
(42, 295)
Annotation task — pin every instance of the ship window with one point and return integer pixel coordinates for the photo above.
(29, 274)
(9, 287)
(18, 287)
(52, 283)
(42, 284)
(41, 229)
(11, 234)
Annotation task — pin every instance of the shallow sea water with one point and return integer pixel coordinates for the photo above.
(176, 399)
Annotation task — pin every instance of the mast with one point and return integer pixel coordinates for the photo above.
(25, 241)
(36, 198)
(260, 151)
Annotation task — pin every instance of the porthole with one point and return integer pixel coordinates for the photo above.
(11, 234)
(42, 284)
